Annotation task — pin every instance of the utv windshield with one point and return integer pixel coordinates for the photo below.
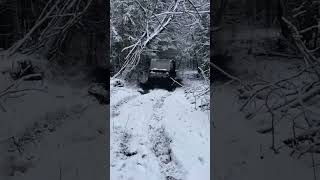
(160, 64)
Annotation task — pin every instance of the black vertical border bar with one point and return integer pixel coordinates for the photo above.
(212, 164)
(107, 119)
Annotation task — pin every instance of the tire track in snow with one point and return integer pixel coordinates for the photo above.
(161, 141)
(115, 108)
(124, 136)
(125, 149)
(156, 140)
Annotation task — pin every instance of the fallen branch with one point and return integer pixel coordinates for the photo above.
(21, 90)
(278, 54)
(307, 135)
(204, 75)
(226, 73)
(299, 43)
(176, 81)
(51, 26)
(297, 101)
(16, 83)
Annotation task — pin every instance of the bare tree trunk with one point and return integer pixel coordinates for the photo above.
(268, 13)
(218, 36)
(16, 17)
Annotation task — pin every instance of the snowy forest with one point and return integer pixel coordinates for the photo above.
(160, 89)
(64, 71)
(53, 89)
(266, 110)
(141, 30)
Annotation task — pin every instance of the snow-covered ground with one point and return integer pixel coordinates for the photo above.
(56, 130)
(240, 151)
(159, 135)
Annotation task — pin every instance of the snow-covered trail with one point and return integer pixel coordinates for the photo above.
(157, 136)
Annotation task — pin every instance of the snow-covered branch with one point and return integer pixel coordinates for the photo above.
(52, 24)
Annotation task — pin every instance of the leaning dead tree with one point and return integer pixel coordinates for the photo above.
(155, 22)
(293, 99)
(133, 57)
(51, 27)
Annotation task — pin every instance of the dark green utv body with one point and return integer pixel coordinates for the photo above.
(162, 69)
(160, 73)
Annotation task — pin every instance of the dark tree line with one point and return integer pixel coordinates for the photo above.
(142, 30)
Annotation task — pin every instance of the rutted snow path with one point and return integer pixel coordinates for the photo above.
(158, 136)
